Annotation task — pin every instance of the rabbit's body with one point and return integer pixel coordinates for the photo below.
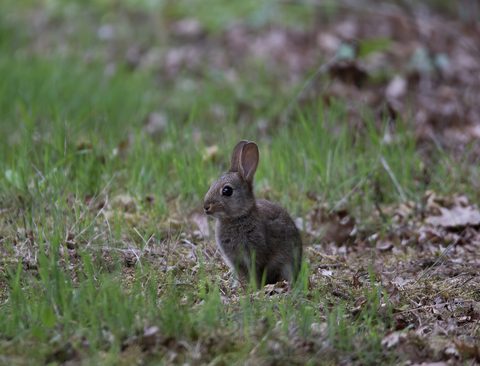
(246, 225)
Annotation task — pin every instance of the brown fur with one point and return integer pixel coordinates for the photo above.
(246, 225)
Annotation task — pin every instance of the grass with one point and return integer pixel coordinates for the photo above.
(71, 209)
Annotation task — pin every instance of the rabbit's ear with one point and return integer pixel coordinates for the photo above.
(249, 161)
(237, 151)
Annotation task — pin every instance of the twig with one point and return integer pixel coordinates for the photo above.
(342, 295)
(464, 282)
(330, 265)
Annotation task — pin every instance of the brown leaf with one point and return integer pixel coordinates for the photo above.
(121, 149)
(385, 245)
(277, 288)
(397, 88)
(456, 217)
(466, 349)
(356, 282)
(349, 72)
(473, 314)
(150, 337)
(129, 258)
(390, 340)
(359, 304)
(400, 322)
(330, 228)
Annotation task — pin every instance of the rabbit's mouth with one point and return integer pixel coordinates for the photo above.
(212, 213)
(209, 209)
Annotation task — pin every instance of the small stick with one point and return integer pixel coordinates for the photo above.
(330, 265)
(342, 295)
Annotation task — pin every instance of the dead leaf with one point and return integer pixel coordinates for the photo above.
(129, 258)
(385, 245)
(456, 217)
(277, 288)
(121, 149)
(390, 340)
(150, 337)
(125, 203)
(356, 282)
(210, 153)
(349, 72)
(397, 88)
(464, 348)
(326, 273)
(330, 228)
(400, 322)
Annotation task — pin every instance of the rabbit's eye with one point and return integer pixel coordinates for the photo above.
(227, 191)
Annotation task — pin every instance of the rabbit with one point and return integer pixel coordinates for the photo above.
(246, 225)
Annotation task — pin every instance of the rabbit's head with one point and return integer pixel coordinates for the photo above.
(232, 195)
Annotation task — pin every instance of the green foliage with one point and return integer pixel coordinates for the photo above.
(368, 46)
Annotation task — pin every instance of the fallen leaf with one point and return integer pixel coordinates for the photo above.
(279, 287)
(349, 72)
(356, 282)
(210, 153)
(330, 228)
(467, 349)
(390, 340)
(150, 337)
(397, 88)
(456, 217)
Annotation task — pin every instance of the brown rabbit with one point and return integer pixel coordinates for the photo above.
(247, 225)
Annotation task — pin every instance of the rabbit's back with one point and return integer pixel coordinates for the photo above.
(281, 235)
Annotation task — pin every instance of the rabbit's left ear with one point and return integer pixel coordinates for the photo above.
(249, 161)
(237, 151)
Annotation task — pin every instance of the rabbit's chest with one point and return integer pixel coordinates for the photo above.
(239, 240)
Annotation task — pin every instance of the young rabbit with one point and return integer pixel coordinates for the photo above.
(246, 225)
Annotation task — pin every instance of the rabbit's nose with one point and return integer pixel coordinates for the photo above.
(207, 207)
